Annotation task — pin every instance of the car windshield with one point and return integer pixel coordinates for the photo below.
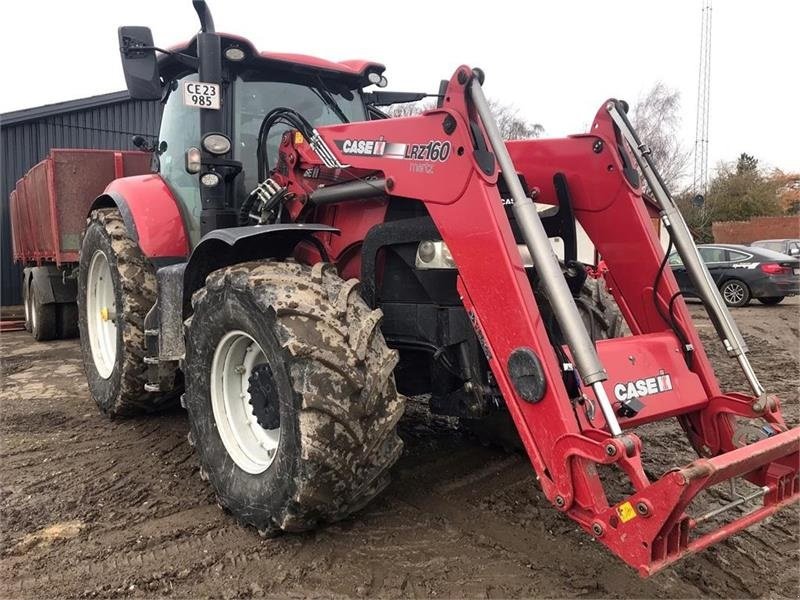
(254, 99)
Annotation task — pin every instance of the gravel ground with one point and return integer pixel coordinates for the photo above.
(92, 508)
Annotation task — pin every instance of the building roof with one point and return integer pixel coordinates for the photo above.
(39, 112)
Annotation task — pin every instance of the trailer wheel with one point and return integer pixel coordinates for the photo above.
(290, 394)
(43, 317)
(602, 320)
(26, 301)
(116, 288)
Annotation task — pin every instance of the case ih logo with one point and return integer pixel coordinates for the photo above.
(432, 151)
(639, 388)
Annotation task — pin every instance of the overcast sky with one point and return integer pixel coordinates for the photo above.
(556, 61)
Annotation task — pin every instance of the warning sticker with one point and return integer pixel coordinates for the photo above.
(626, 512)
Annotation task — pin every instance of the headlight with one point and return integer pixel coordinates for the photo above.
(377, 79)
(234, 53)
(217, 144)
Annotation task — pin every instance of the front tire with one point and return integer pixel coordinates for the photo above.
(290, 393)
(771, 300)
(116, 288)
(735, 293)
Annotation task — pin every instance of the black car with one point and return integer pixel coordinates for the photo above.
(743, 273)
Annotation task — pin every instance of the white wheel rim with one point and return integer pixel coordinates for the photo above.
(252, 447)
(101, 314)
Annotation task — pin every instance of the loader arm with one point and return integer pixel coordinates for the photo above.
(450, 159)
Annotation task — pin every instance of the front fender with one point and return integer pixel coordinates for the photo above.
(151, 214)
(224, 247)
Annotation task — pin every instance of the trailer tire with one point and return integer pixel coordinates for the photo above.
(67, 318)
(26, 302)
(43, 318)
(120, 390)
(602, 319)
(319, 389)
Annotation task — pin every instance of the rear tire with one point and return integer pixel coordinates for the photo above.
(43, 318)
(771, 300)
(113, 354)
(305, 432)
(602, 320)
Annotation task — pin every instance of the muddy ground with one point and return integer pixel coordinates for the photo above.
(92, 508)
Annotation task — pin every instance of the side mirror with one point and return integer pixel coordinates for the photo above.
(139, 63)
(794, 251)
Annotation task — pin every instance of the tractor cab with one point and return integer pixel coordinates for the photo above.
(218, 91)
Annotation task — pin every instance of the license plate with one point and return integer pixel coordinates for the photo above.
(797, 271)
(201, 95)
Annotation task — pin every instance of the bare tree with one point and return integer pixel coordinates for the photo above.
(511, 124)
(657, 119)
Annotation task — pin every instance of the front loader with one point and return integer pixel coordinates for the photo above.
(299, 263)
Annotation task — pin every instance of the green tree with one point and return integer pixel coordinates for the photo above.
(742, 192)
(746, 163)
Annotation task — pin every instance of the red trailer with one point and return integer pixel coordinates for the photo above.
(48, 214)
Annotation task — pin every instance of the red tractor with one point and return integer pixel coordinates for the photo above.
(299, 262)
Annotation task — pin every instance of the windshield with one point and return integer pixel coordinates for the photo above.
(254, 99)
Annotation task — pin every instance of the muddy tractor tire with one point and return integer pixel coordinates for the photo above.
(116, 288)
(602, 320)
(290, 393)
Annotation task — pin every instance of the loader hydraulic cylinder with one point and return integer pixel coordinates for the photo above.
(544, 260)
(682, 238)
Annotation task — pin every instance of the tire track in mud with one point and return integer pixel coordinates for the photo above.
(458, 520)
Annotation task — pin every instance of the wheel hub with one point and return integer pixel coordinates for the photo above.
(263, 397)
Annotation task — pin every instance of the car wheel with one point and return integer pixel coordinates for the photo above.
(771, 300)
(735, 293)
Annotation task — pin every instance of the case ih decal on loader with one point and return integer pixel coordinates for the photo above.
(326, 279)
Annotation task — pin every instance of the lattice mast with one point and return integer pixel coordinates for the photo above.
(700, 178)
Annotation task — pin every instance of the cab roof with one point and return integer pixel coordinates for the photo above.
(355, 72)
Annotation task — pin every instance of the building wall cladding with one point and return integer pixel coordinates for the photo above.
(105, 122)
(757, 228)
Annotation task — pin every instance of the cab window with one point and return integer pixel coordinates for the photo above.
(180, 129)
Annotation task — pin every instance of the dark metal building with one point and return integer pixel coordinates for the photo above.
(26, 136)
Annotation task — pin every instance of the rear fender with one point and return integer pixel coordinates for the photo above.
(151, 215)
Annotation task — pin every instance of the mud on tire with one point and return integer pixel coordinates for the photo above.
(133, 276)
(333, 381)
